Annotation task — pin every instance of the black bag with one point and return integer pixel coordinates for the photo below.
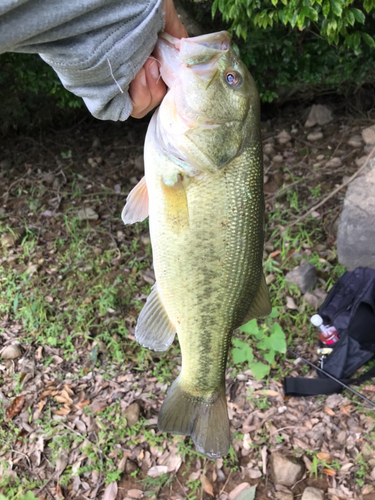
(350, 307)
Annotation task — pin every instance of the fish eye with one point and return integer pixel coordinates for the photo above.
(233, 79)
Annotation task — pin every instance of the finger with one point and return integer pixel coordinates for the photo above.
(173, 25)
(154, 81)
(140, 94)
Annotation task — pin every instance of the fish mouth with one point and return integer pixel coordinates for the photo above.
(200, 54)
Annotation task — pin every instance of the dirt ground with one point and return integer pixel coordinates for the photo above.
(80, 399)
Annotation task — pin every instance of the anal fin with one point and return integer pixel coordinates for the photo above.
(136, 208)
(154, 329)
(261, 305)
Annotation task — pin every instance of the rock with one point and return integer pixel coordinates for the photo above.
(277, 159)
(316, 298)
(368, 135)
(285, 470)
(87, 214)
(314, 136)
(319, 115)
(303, 276)
(356, 231)
(268, 149)
(368, 149)
(355, 141)
(311, 493)
(280, 495)
(11, 351)
(334, 162)
(135, 493)
(132, 413)
(320, 157)
(283, 137)
(290, 304)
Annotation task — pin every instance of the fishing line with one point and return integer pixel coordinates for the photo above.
(331, 377)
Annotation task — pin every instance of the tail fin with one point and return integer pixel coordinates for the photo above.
(204, 419)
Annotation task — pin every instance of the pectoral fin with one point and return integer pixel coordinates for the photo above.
(136, 208)
(154, 329)
(261, 305)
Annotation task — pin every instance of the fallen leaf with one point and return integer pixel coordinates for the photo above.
(15, 407)
(135, 493)
(110, 492)
(157, 471)
(275, 253)
(81, 404)
(267, 392)
(62, 411)
(233, 495)
(207, 486)
(59, 493)
(370, 388)
(329, 411)
(41, 405)
(324, 456)
(346, 410)
(329, 472)
(248, 494)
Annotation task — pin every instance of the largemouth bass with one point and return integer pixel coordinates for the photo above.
(203, 192)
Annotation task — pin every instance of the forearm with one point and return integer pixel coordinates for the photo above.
(95, 46)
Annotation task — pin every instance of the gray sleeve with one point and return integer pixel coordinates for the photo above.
(96, 47)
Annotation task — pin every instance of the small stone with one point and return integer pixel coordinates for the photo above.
(320, 157)
(266, 159)
(285, 470)
(2, 211)
(280, 495)
(5, 164)
(319, 115)
(98, 251)
(132, 413)
(361, 161)
(268, 149)
(316, 298)
(134, 180)
(130, 467)
(368, 135)
(87, 214)
(139, 163)
(270, 278)
(303, 276)
(11, 351)
(277, 159)
(315, 136)
(290, 304)
(117, 188)
(355, 141)
(149, 276)
(334, 162)
(96, 143)
(311, 493)
(283, 137)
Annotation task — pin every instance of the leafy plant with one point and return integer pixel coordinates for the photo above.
(268, 340)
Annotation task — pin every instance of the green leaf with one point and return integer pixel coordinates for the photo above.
(259, 370)
(270, 356)
(242, 352)
(274, 2)
(350, 17)
(357, 39)
(278, 338)
(368, 39)
(248, 494)
(326, 8)
(359, 15)
(250, 328)
(336, 7)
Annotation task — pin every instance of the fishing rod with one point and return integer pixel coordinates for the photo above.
(331, 377)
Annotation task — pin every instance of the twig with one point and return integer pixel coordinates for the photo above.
(330, 195)
(226, 482)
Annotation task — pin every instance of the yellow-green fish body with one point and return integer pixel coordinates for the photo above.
(204, 178)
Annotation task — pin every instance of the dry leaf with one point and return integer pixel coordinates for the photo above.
(81, 404)
(61, 399)
(329, 472)
(68, 389)
(329, 411)
(110, 492)
(267, 392)
(15, 407)
(370, 388)
(41, 405)
(346, 410)
(64, 394)
(324, 456)
(59, 492)
(62, 411)
(207, 486)
(275, 253)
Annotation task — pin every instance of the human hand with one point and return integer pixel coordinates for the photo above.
(148, 89)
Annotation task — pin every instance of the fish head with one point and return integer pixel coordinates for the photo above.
(212, 109)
